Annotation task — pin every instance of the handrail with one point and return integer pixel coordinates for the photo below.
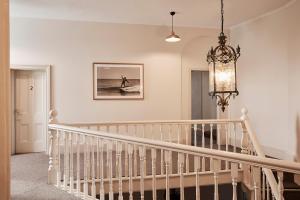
(258, 161)
(269, 174)
(212, 121)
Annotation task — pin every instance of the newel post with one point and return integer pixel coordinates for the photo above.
(245, 147)
(52, 140)
(245, 138)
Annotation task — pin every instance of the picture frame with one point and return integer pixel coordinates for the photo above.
(112, 81)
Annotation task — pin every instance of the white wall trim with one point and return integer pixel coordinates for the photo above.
(47, 70)
(288, 4)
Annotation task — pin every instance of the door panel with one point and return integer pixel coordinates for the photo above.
(30, 115)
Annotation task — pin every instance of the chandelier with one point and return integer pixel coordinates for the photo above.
(222, 68)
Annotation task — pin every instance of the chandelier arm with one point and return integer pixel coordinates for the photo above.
(228, 97)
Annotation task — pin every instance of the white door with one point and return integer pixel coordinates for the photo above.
(30, 108)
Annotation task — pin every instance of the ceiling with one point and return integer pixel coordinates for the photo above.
(194, 13)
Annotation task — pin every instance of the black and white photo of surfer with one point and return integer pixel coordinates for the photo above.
(118, 81)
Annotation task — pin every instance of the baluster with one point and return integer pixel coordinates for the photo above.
(135, 154)
(65, 160)
(169, 133)
(226, 143)
(195, 134)
(88, 155)
(153, 156)
(268, 191)
(126, 153)
(187, 142)
(256, 181)
(119, 158)
(58, 160)
(66, 167)
(216, 168)
(178, 142)
(142, 161)
(219, 136)
(211, 136)
(85, 184)
(187, 161)
(71, 164)
(167, 160)
(203, 145)
(130, 153)
(197, 179)
(264, 187)
(195, 144)
(234, 137)
(110, 149)
(211, 140)
(178, 133)
(234, 176)
(93, 174)
(98, 159)
(107, 153)
(145, 160)
(78, 178)
(52, 159)
(180, 169)
(280, 185)
(244, 142)
(161, 152)
(102, 170)
(170, 140)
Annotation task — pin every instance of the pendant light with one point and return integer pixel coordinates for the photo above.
(173, 37)
(222, 68)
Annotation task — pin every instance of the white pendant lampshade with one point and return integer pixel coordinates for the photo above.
(173, 37)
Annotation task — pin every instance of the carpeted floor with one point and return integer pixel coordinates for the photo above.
(29, 179)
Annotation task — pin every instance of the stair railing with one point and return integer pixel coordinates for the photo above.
(94, 163)
(275, 186)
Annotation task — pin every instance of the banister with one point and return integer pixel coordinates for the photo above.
(258, 161)
(252, 135)
(212, 121)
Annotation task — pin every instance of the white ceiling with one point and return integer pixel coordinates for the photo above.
(195, 13)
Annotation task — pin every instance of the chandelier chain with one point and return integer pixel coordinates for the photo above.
(222, 16)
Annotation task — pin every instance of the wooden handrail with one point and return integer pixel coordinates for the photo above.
(212, 121)
(286, 166)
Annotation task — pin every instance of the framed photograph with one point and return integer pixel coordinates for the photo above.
(118, 81)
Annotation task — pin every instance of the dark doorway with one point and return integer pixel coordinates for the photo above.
(203, 106)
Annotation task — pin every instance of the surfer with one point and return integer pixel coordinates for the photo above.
(124, 81)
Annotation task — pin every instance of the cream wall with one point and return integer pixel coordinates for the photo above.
(269, 78)
(71, 48)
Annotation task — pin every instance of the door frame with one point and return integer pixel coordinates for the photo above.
(47, 70)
